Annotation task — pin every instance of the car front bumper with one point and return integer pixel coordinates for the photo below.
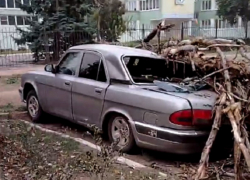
(169, 140)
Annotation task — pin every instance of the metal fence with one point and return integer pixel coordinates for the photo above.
(55, 43)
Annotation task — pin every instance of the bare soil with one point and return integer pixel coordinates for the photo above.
(10, 81)
(9, 96)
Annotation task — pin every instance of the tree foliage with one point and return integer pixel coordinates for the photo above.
(231, 9)
(109, 18)
(55, 25)
(58, 25)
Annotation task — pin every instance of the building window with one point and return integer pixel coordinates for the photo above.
(206, 23)
(12, 20)
(19, 20)
(216, 6)
(13, 3)
(17, 3)
(2, 4)
(131, 5)
(4, 20)
(10, 3)
(149, 5)
(206, 5)
(27, 20)
(26, 2)
(196, 15)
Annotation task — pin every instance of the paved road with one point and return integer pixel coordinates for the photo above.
(16, 59)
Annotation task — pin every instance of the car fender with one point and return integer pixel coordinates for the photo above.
(116, 110)
(122, 112)
(34, 85)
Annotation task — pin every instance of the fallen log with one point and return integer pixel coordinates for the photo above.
(231, 76)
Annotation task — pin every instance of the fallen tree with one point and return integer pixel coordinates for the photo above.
(228, 77)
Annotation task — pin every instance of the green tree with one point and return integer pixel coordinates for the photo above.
(59, 25)
(109, 19)
(231, 9)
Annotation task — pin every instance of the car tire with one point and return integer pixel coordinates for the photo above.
(127, 142)
(33, 106)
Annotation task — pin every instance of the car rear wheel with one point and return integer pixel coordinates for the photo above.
(120, 133)
(34, 109)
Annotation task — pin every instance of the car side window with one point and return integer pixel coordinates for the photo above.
(69, 63)
(101, 74)
(92, 68)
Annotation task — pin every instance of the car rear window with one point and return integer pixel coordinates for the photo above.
(147, 70)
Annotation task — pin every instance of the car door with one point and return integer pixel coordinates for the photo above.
(88, 90)
(57, 87)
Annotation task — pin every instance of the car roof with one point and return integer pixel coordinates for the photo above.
(113, 54)
(118, 51)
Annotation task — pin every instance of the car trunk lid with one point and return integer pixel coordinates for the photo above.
(200, 99)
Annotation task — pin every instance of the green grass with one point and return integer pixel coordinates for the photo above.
(13, 80)
(10, 108)
(7, 108)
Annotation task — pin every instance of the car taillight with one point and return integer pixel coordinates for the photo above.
(191, 117)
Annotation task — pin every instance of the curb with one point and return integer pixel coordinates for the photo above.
(119, 159)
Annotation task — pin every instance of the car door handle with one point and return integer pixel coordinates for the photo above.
(98, 90)
(67, 83)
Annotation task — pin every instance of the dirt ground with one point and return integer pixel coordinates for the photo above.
(9, 84)
(9, 95)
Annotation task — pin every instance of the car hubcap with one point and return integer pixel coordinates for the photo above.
(33, 106)
(120, 131)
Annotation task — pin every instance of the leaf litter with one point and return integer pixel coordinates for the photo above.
(27, 153)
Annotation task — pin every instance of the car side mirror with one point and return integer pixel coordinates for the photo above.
(49, 68)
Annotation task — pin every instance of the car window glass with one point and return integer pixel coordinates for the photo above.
(89, 68)
(70, 63)
(101, 73)
(146, 70)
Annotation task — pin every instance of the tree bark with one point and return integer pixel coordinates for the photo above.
(215, 128)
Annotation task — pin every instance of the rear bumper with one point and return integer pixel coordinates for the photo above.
(169, 140)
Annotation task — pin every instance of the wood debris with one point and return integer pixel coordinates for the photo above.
(229, 78)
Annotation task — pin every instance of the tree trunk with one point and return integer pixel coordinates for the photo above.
(245, 24)
(56, 49)
(99, 26)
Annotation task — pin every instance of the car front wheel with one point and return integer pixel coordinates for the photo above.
(120, 133)
(34, 109)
